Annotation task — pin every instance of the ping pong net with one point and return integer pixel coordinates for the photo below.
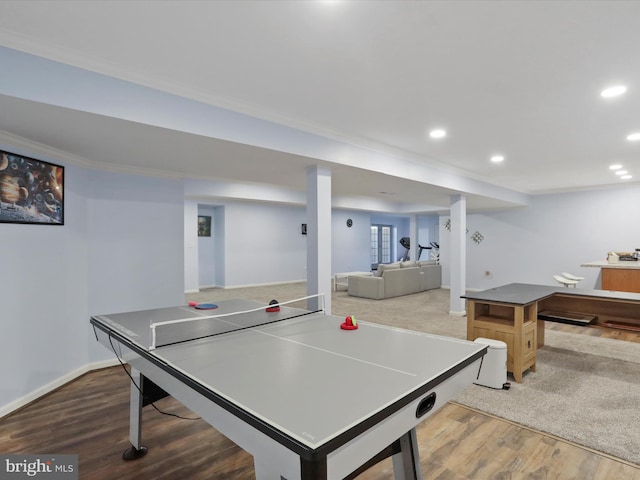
(197, 325)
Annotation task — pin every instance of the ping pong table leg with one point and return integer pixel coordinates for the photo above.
(136, 450)
(266, 471)
(406, 463)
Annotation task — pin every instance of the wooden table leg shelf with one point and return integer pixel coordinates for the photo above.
(515, 325)
(569, 318)
(604, 312)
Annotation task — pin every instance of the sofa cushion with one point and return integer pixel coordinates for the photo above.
(403, 281)
(385, 267)
(426, 262)
(367, 287)
(408, 264)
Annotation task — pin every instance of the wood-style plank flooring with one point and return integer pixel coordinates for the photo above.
(89, 417)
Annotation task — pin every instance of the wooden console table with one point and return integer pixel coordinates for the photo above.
(510, 314)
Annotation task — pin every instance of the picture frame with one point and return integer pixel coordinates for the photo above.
(31, 190)
(204, 226)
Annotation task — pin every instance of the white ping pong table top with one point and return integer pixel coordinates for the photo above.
(304, 376)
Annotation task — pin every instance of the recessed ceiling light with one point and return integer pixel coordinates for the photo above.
(626, 177)
(621, 172)
(614, 91)
(438, 133)
(632, 137)
(615, 166)
(497, 158)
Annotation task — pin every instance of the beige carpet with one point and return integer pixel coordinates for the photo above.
(586, 389)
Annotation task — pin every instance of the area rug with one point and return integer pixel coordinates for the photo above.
(585, 390)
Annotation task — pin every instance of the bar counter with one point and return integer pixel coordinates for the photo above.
(623, 276)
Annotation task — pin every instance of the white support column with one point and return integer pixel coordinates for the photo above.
(319, 236)
(191, 274)
(413, 235)
(458, 255)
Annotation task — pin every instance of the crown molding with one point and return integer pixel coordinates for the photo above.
(31, 148)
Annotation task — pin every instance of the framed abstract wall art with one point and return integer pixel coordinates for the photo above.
(204, 226)
(31, 191)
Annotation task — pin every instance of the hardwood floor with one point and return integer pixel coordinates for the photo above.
(89, 417)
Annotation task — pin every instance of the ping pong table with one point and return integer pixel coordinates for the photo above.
(306, 398)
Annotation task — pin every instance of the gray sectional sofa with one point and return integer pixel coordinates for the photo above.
(396, 279)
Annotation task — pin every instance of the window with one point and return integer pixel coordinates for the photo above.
(380, 245)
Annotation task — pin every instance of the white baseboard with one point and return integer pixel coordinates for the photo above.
(231, 287)
(457, 314)
(51, 386)
(468, 289)
(249, 285)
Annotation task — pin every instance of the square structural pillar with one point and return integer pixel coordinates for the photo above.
(458, 255)
(319, 237)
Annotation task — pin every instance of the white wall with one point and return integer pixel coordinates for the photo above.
(350, 247)
(44, 296)
(135, 243)
(263, 244)
(135, 237)
(207, 251)
(556, 233)
(120, 249)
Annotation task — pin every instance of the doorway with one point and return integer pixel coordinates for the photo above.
(380, 245)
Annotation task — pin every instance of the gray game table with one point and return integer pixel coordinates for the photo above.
(306, 398)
